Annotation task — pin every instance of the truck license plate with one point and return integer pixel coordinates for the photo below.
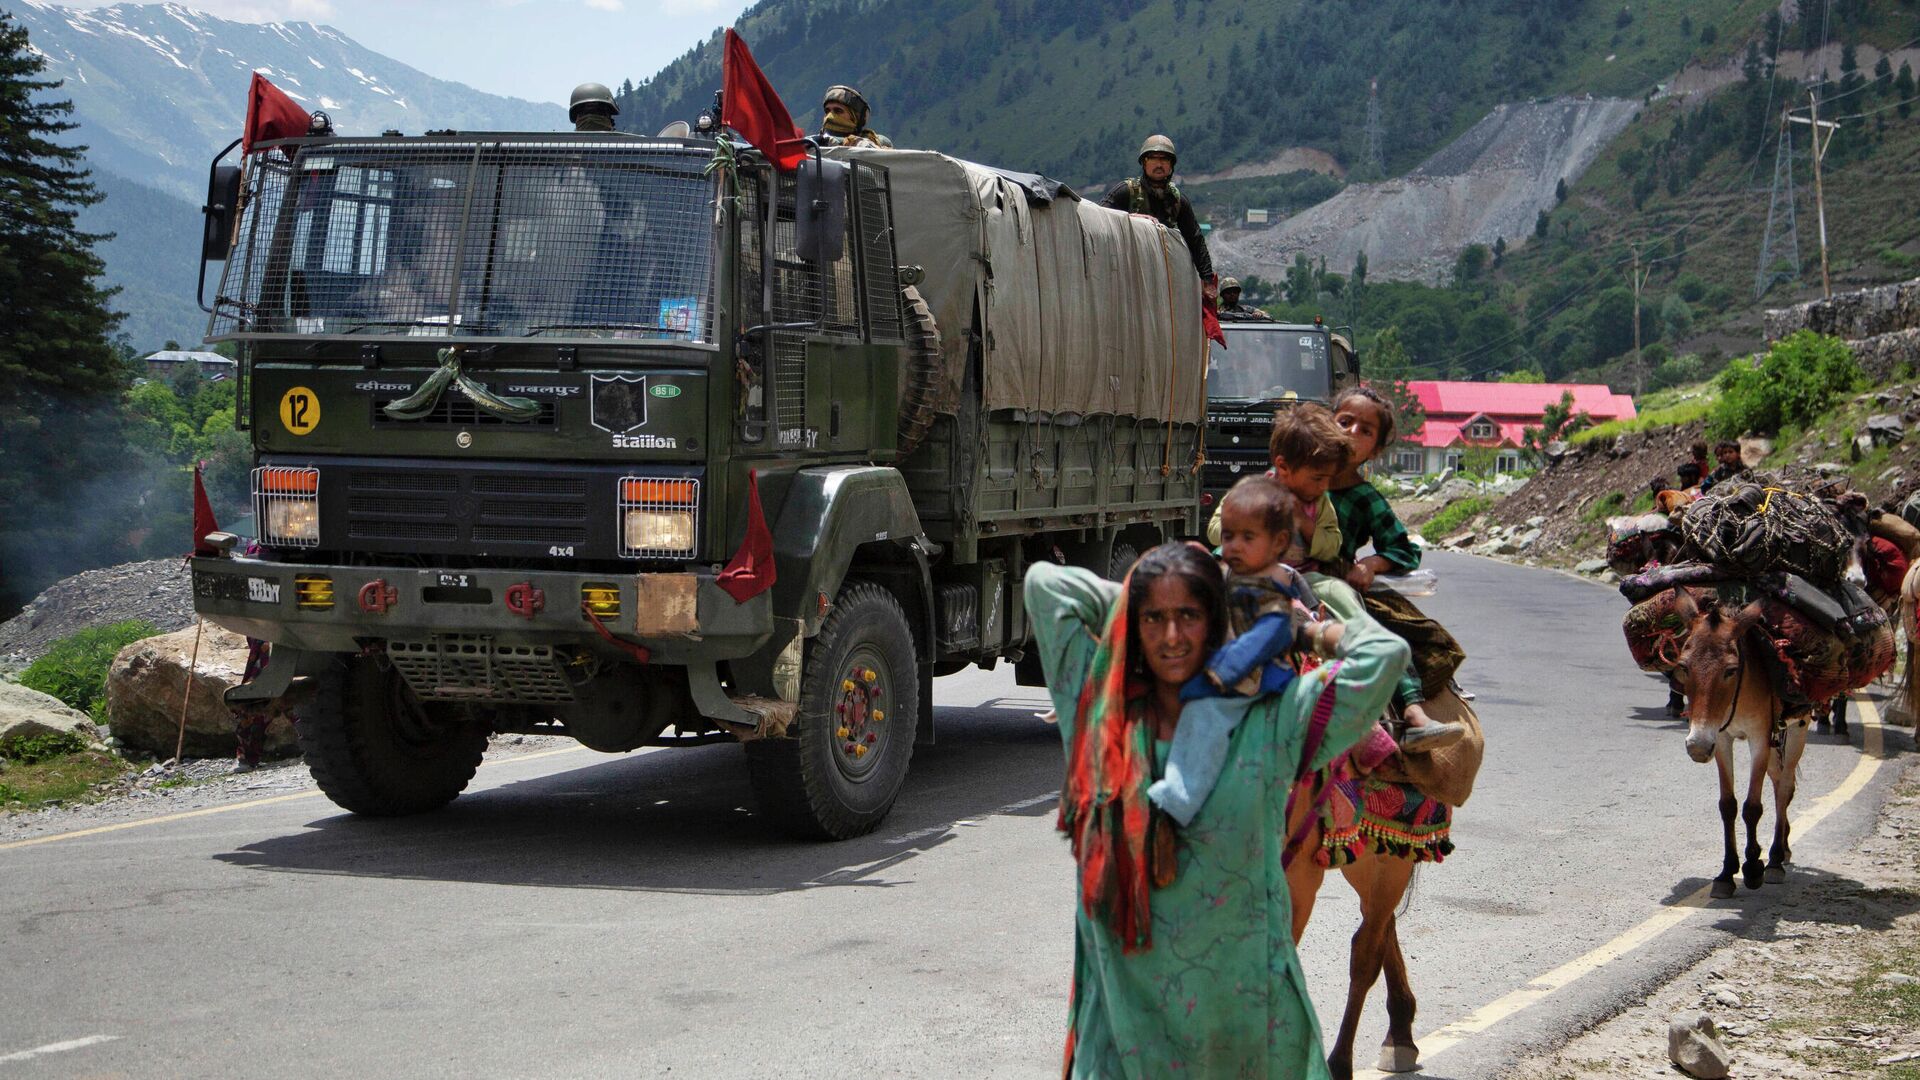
(456, 581)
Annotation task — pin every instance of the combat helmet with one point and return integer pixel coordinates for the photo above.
(1228, 283)
(851, 98)
(591, 97)
(1157, 144)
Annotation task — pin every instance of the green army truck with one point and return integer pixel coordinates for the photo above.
(1266, 366)
(513, 398)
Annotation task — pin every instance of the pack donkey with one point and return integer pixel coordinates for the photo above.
(1730, 696)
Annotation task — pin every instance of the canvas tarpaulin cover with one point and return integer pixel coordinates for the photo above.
(1083, 309)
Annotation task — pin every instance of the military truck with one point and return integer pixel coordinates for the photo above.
(1266, 366)
(514, 399)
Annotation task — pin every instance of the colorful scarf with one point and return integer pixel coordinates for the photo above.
(1103, 804)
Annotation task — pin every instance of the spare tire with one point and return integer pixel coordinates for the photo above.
(920, 371)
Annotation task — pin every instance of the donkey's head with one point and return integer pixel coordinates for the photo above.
(1711, 669)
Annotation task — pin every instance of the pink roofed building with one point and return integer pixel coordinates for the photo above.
(1467, 415)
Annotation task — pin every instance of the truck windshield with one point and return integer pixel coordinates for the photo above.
(1269, 362)
(456, 239)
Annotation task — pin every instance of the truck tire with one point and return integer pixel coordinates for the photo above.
(920, 371)
(375, 749)
(837, 777)
(1125, 554)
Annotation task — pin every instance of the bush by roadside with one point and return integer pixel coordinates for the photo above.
(75, 668)
(1795, 383)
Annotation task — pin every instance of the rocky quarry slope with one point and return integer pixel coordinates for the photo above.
(1488, 184)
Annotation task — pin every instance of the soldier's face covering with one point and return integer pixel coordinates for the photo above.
(839, 119)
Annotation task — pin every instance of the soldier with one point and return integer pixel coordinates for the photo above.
(843, 120)
(592, 108)
(1154, 194)
(1232, 309)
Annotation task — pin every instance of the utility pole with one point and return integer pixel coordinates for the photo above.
(1639, 281)
(1819, 128)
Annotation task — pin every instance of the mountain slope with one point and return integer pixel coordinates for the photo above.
(1487, 185)
(153, 259)
(159, 88)
(1071, 88)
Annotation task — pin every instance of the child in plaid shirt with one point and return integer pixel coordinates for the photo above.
(1366, 517)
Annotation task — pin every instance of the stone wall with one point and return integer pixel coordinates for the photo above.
(1881, 325)
(1857, 315)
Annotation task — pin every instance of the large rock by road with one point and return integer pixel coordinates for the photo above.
(26, 713)
(146, 683)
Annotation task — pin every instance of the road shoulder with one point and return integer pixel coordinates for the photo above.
(1804, 991)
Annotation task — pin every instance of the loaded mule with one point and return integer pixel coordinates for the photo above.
(1724, 672)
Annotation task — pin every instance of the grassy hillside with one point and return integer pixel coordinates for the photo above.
(1071, 88)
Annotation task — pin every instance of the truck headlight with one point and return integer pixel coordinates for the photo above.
(295, 521)
(660, 531)
(286, 503)
(658, 517)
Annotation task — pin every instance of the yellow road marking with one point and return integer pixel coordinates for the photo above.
(1502, 1008)
(248, 805)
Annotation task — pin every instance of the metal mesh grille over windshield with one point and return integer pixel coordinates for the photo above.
(553, 240)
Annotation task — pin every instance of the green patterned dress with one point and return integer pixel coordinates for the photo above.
(1219, 993)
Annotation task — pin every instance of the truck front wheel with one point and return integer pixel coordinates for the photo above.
(376, 749)
(837, 776)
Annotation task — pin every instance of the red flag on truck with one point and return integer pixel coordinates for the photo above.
(203, 521)
(1210, 318)
(749, 106)
(271, 114)
(751, 571)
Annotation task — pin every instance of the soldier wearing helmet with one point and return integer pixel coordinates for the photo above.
(592, 108)
(1153, 193)
(843, 120)
(1231, 309)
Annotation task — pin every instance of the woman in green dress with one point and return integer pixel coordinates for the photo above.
(1183, 950)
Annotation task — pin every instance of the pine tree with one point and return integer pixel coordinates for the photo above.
(60, 377)
(1903, 89)
(54, 328)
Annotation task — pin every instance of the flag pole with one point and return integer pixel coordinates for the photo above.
(186, 695)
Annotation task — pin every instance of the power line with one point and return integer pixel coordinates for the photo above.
(1781, 222)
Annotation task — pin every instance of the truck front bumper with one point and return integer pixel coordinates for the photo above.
(680, 618)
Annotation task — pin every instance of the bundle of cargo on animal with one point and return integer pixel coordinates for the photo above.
(1785, 556)
(1634, 541)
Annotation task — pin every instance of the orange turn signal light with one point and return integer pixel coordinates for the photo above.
(655, 491)
(290, 481)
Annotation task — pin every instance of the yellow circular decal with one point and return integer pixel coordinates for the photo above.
(299, 410)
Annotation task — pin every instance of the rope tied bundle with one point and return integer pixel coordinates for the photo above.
(1757, 527)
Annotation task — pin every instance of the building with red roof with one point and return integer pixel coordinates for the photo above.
(1463, 416)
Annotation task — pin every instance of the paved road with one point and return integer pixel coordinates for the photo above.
(579, 915)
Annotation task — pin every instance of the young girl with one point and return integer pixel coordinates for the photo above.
(1364, 513)
(1365, 516)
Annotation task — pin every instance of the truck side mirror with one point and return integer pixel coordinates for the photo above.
(820, 210)
(223, 200)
